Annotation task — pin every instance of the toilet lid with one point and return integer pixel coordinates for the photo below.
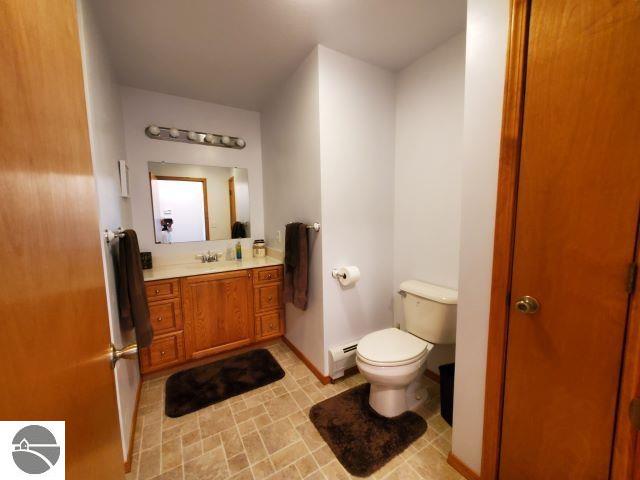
(391, 346)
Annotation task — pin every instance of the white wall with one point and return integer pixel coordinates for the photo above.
(107, 147)
(428, 154)
(357, 104)
(141, 108)
(291, 156)
(487, 30)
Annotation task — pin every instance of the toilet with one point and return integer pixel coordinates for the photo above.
(393, 361)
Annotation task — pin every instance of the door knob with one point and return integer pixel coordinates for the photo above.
(128, 352)
(527, 305)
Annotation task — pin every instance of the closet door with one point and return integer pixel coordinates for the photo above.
(576, 227)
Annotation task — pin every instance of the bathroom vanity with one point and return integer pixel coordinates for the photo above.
(202, 309)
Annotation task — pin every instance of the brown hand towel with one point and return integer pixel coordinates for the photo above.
(132, 297)
(296, 265)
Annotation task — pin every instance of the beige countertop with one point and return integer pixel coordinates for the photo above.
(197, 268)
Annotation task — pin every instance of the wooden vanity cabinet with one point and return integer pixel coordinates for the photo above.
(194, 317)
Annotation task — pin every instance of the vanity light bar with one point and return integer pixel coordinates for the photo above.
(173, 134)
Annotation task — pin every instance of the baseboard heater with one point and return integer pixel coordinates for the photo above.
(341, 358)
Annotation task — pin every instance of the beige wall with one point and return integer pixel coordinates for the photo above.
(107, 147)
(428, 157)
(487, 27)
(357, 111)
(291, 155)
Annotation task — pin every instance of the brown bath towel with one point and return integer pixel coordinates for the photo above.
(296, 265)
(132, 297)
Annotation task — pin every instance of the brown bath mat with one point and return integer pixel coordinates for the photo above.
(362, 440)
(202, 386)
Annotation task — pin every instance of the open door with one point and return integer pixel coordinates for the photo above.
(232, 202)
(54, 347)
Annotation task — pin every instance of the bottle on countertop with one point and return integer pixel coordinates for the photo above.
(238, 251)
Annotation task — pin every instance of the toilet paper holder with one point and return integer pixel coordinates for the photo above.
(337, 275)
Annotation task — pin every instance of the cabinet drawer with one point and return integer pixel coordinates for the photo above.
(162, 289)
(267, 297)
(266, 275)
(164, 351)
(270, 324)
(166, 316)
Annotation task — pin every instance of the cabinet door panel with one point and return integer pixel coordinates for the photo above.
(218, 312)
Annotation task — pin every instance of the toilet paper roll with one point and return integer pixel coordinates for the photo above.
(348, 275)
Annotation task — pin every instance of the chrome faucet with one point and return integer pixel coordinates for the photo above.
(208, 257)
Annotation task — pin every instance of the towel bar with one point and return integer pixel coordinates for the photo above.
(109, 235)
(314, 226)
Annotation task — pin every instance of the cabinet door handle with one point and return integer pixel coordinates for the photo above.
(269, 299)
(159, 319)
(162, 353)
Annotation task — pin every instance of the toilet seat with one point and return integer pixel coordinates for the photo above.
(391, 347)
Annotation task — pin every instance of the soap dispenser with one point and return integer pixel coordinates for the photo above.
(238, 251)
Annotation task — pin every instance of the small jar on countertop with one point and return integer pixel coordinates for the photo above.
(259, 248)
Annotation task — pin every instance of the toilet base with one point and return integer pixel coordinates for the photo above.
(391, 402)
(388, 402)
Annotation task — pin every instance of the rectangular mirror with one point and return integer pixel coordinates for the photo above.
(195, 203)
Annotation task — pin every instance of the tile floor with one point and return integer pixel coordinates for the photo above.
(266, 433)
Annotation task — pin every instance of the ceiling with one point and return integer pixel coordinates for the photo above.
(236, 52)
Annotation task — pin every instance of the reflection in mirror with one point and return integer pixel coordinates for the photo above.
(194, 203)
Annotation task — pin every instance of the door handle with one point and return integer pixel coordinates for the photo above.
(527, 304)
(129, 352)
(634, 413)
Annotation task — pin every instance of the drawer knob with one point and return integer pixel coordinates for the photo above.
(269, 275)
(159, 319)
(156, 291)
(162, 353)
(271, 325)
(270, 298)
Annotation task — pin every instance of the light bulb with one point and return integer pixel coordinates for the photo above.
(210, 138)
(192, 136)
(240, 142)
(174, 132)
(154, 130)
(225, 140)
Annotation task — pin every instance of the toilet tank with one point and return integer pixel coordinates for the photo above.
(429, 311)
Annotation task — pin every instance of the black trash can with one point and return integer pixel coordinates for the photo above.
(447, 374)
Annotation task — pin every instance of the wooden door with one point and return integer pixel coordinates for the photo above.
(232, 202)
(218, 312)
(576, 223)
(55, 331)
